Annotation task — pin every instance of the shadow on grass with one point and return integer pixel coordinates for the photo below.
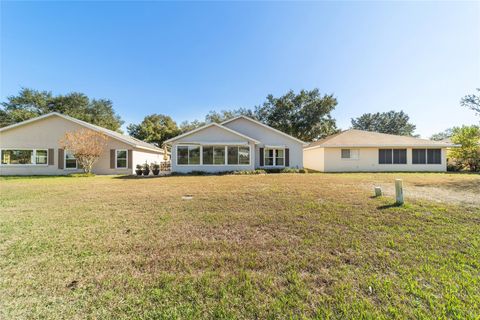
(388, 206)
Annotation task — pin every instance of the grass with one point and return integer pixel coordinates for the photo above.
(269, 247)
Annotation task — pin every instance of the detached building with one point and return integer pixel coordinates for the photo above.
(356, 150)
(32, 147)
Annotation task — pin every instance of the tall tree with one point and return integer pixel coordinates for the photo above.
(31, 103)
(442, 135)
(305, 115)
(472, 101)
(468, 154)
(186, 126)
(155, 128)
(391, 122)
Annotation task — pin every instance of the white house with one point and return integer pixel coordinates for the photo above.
(357, 150)
(32, 147)
(240, 143)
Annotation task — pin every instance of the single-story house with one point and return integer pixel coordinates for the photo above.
(357, 150)
(32, 147)
(240, 143)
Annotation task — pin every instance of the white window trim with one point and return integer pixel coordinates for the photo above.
(350, 159)
(26, 164)
(226, 155)
(274, 158)
(116, 158)
(65, 162)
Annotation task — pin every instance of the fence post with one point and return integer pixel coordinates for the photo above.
(378, 192)
(399, 191)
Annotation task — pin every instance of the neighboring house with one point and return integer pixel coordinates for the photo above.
(240, 143)
(32, 147)
(356, 150)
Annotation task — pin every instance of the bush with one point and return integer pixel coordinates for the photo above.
(82, 175)
(249, 172)
(294, 170)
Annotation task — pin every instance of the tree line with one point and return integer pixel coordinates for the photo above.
(305, 115)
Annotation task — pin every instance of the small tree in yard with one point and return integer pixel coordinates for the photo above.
(468, 154)
(86, 145)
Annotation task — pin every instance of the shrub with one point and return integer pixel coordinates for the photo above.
(249, 172)
(82, 175)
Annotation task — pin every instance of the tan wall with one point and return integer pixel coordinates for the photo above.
(314, 159)
(368, 161)
(45, 134)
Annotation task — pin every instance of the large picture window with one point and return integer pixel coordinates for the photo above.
(24, 157)
(434, 156)
(419, 156)
(122, 156)
(213, 155)
(400, 156)
(392, 156)
(188, 155)
(424, 156)
(385, 156)
(70, 160)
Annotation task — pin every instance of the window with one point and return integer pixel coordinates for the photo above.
(274, 157)
(188, 155)
(207, 155)
(24, 157)
(419, 156)
(219, 155)
(232, 155)
(434, 156)
(400, 156)
(351, 154)
(243, 155)
(385, 156)
(121, 158)
(424, 156)
(279, 157)
(41, 156)
(70, 161)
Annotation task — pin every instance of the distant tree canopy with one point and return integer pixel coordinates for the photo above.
(305, 115)
(155, 128)
(391, 122)
(31, 103)
(472, 101)
(442, 135)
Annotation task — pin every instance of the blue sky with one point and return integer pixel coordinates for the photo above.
(184, 59)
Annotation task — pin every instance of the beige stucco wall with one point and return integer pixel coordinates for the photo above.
(45, 134)
(268, 137)
(314, 159)
(367, 161)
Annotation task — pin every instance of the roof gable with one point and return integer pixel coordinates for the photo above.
(264, 126)
(212, 125)
(112, 134)
(361, 138)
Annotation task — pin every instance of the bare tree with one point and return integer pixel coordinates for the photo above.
(86, 145)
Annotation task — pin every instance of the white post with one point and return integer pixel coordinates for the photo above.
(399, 191)
(378, 192)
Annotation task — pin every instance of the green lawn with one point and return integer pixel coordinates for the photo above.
(268, 246)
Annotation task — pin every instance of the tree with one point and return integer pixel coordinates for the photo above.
(442, 135)
(31, 103)
(472, 101)
(305, 115)
(86, 145)
(391, 122)
(468, 154)
(186, 126)
(155, 128)
(218, 117)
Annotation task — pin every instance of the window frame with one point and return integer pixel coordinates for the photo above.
(440, 156)
(34, 157)
(65, 161)
(425, 153)
(274, 157)
(213, 164)
(356, 151)
(399, 158)
(391, 155)
(116, 159)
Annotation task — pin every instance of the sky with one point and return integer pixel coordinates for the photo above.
(184, 59)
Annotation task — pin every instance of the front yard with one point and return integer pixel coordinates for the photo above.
(273, 246)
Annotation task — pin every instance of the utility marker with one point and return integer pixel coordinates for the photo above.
(399, 191)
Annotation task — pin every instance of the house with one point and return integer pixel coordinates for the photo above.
(240, 143)
(32, 147)
(356, 150)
